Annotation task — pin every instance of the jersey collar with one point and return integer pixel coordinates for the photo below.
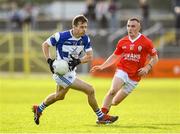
(133, 40)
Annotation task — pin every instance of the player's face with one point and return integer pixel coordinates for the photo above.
(133, 28)
(80, 29)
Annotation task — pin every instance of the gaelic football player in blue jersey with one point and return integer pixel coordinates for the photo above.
(69, 45)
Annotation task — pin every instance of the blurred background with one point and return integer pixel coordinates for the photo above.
(25, 25)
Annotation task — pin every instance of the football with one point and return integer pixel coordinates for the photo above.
(61, 67)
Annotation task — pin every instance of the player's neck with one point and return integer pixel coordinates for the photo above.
(74, 34)
(134, 38)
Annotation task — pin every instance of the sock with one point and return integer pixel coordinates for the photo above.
(99, 113)
(41, 107)
(104, 110)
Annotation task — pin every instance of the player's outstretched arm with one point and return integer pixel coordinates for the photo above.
(110, 61)
(95, 68)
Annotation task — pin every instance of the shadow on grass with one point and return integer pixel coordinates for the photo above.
(162, 126)
(132, 126)
(167, 124)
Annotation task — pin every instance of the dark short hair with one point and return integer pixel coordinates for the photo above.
(134, 19)
(79, 18)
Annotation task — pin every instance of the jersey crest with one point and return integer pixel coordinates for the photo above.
(139, 48)
(131, 47)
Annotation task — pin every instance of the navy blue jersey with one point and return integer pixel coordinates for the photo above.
(67, 44)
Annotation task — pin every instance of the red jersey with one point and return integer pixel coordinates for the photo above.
(134, 54)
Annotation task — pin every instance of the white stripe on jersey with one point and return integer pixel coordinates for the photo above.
(58, 56)
(89, 49)
(48, 42)
(88, 39)
(71, 49)
(56, 36)
(74, 38)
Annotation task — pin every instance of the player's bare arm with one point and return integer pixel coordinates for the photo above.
(110, 61)
(153, 61)
(145, 70)
(87, 57)
(46, 52)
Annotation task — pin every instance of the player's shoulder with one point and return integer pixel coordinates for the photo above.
(124, 39)
(65, 33)
(86, 38)
(146, 41)
(145, 38)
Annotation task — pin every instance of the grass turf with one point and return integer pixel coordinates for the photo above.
(153, 107)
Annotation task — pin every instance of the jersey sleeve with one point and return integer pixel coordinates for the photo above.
(87, 46)
(52, 40)
(151, 49)
(118, 50)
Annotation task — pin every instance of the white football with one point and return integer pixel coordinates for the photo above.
(61, 67)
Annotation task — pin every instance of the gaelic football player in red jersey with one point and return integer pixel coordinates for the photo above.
(133, 51)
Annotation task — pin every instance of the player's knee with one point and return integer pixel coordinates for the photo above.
(112, 92)
(115, 102)
(59, 97)
(90, 90)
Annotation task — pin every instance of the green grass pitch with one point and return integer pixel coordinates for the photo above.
(153, 107)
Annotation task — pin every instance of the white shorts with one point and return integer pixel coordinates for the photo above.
(129, 84)
(65, 80)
